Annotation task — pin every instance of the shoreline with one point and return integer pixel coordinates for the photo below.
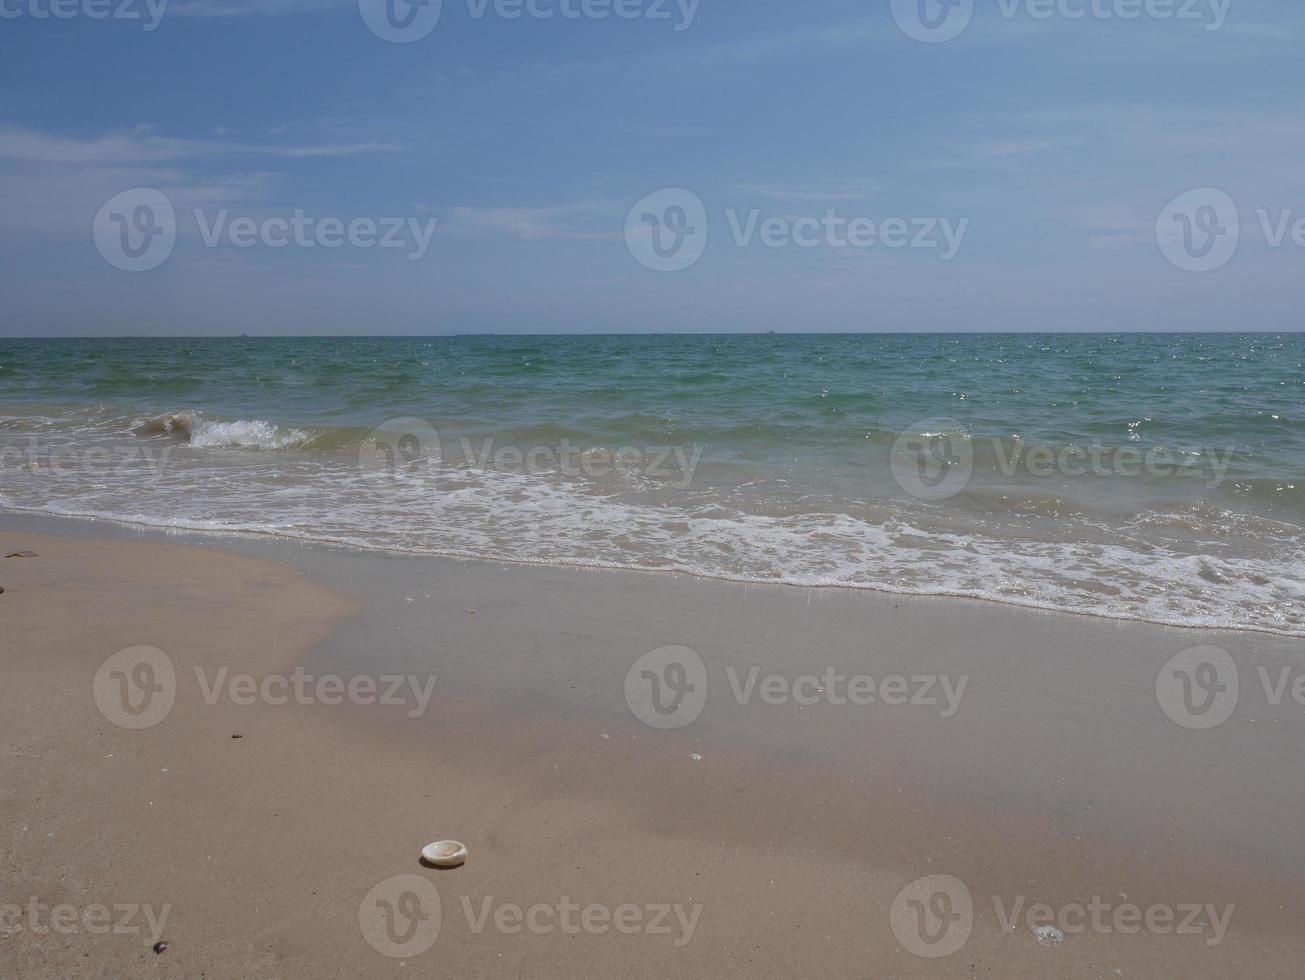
(1058, 776)
(216, 536)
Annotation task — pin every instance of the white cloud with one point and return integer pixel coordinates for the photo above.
(678, 58)
(577, 221)
(247, 8)
(820, 191)
(142, 145)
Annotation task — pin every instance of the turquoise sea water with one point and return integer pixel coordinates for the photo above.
(1139, 476)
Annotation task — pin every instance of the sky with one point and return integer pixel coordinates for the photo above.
(370, 167)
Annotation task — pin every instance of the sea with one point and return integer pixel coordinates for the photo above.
(1156, 477)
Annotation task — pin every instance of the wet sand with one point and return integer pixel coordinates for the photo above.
(1024, 755)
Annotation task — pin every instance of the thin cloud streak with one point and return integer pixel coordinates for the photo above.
(142, 146)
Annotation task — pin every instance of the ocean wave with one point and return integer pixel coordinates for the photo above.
(205, 433)
(254, 434)
(790, 444)
(522, 518)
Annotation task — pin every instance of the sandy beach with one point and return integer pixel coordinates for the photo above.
(652, 489)
(844, 747)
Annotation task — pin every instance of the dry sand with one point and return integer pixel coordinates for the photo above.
(779, 852)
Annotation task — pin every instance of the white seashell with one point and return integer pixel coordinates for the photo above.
(445, 853)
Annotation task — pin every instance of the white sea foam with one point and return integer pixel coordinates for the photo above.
(788, 490)
(202, 432)
(1202, 566)
(247, 434)
(519, 517)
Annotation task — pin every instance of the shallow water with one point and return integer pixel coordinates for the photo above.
(1156, 477)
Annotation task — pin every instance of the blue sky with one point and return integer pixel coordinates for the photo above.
(1052, 143)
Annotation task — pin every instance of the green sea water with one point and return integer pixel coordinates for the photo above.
(1155, 477)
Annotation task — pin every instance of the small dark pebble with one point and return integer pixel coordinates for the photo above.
(22, 554)
(159, 947)
(237, 736)
(2, 590)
